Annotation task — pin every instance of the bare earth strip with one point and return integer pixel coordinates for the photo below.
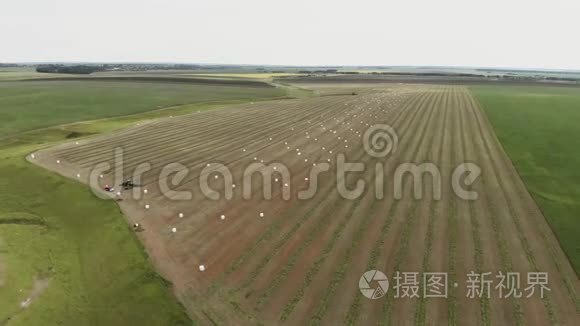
(300, 262)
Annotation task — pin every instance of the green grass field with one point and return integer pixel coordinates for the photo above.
(54, 230)
(539, 129)
(27, 105)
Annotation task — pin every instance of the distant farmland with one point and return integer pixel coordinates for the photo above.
(299, 261)
(27, 105)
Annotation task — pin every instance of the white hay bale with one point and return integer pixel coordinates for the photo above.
(57, 161)
(147, 206)
(32, 155)
(233, 185)
(201, 268)
(101, 176)
(78, 175)
(222, 217)
(261, 214)
(145, 191)
(180, 215)
(173, 230)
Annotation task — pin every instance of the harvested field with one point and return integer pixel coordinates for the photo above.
(301, 261)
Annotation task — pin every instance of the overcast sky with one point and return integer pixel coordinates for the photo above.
(492, 33)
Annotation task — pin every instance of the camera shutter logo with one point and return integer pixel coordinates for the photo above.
(381, 282)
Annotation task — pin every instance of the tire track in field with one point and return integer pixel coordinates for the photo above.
(396, 207)
(331, 187)
(282, 153)
(437, 209)
(415, 121)
(437, 310)
(302, 311)
(312, 272)
(351, 312)
(208, 119)
(475, 222)
(469, 259)
(209, 142)
(496, 255)
(230, 224)
(266, 235)
(265, 147)
(417, 224)
(529, 308)
(404, 308)
(407, 223)
(181, 138)
(454, 157)
(294, 230)
(167, 127)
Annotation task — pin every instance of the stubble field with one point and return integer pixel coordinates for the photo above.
(301, 261)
